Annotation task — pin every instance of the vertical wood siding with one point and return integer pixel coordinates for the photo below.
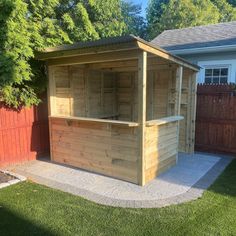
(23, 134)
(216, 118)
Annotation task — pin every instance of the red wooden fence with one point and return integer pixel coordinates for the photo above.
(216, 118)
(24, 134)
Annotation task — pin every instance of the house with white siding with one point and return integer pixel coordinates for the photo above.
(212, 47)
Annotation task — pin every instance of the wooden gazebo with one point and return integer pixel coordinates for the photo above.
(115, 107)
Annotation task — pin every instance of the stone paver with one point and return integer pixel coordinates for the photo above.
(184, 182)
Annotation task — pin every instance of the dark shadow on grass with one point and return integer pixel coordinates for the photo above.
(13, 224)
(225, 183)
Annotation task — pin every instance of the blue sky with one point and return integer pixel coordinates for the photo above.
(144, 5)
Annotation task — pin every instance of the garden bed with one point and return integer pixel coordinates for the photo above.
(7, 179)
(4, 177)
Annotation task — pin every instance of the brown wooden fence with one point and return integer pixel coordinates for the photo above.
(24, 134)
(216, 118)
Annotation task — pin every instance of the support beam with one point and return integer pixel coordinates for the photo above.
(178, 90)
(51, 92)
(193, 110)
(142, 86)
(177, 105)
(95, 58)
(189, 111)
(165, 55)
(71, 91)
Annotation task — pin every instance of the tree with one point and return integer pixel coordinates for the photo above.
(232, 2)
(227, 11)
(15, 48)
(175, 14)
(135, 22)
(154, 11)
(91, 19)
(184, 13)
(32, 25)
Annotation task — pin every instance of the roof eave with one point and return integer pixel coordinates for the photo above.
(204, 50)
(170, 55)
(90, 50)
(132, 43)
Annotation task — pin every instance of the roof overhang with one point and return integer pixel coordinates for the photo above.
(215, 49)
(113, 45)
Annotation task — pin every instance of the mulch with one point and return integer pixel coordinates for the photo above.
(5, 177)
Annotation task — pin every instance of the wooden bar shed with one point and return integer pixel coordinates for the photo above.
(120, 106)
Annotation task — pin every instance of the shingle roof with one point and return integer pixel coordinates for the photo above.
(222, 34)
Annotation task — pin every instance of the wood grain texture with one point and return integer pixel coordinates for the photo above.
(103, 148)
(216, 119)
(103, 108)
(161, 148)
(24, 133)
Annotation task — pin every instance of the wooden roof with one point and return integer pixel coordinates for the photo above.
(113, 44)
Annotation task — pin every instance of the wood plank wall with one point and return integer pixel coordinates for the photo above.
(127, 96)
(157, 93)
(114, 150)
(62, 90)
(187, 109)
(103, 148)
(103, 94)
(161, 148)
(85, 93)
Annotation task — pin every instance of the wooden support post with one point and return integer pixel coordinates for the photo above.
(87, 93)
(142, 81)
(188, 117)
(178, 91)
(193, 110)
(150, 98)
(51, 93)
(71, 93)
(102, 93)
(170, 86)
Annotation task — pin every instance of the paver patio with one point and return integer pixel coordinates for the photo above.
(183, 182)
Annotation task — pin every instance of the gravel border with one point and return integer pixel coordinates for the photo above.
(17, 179)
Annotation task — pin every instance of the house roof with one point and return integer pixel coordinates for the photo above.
(223, 34)
(109, 45)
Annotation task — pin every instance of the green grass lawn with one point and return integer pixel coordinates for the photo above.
(31, 209)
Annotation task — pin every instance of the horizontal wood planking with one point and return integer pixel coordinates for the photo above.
(161, 148)
(95, 58)
(107, 149)
(96, 90)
